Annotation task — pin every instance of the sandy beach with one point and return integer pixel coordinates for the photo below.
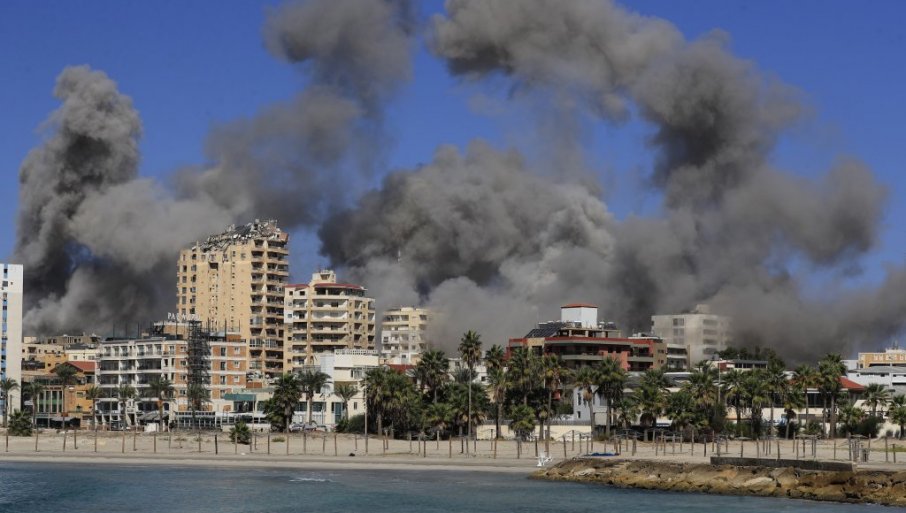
(330, 450)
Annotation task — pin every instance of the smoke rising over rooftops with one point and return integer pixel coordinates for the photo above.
(494, 240)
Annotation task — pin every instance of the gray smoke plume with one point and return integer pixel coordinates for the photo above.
(98, 243)
(482, 230)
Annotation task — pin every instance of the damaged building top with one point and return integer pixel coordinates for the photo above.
(235, 279)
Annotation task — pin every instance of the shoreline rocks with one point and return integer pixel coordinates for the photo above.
(860, 486)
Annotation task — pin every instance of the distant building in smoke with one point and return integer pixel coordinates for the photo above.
(404, 334)
(892, 357)
(11, 291)
(234, 280)
(324, 315)
(580, 340)
(701, 332)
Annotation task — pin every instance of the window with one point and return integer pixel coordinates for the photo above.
(223, 380)
(223, 366)
(222, 351)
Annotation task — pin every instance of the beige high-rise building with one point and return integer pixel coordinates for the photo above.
(234, 280)
(403, 334)
(322, 316)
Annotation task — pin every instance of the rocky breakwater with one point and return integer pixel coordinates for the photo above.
(860, 486)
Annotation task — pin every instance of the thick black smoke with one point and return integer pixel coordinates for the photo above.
(99, 244)
(731, 223)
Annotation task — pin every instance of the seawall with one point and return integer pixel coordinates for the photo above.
(853, 486)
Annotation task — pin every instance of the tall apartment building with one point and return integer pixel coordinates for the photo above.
(700, 331)
(403, 334)
(324, 315)
(136, 362)
(11, 329)
(235, 280)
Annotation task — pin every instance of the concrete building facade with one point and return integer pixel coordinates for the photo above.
(889, 357)
(323, 316)
(234, 281)
(11, 295)
(404, 334)
(701, 332)
(136, 362)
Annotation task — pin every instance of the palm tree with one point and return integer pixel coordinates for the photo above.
(586, 379)
(432, 371)
(377, 393)
(346, 391)
(162, 389)
(792, 401)
(777, 386)
(554, 374)
(93, 393)
(470, 352)
(830, 369)
(627, 410)
(682, 408)
(651, 401)
(733, 383)
(494, 357)
(123, 394)
(758, 395)
(33, 389)
(522, 371)
(67, 376)
(897, 412)
(611, 378)
(287, 393)
(7, 385)
(876, 395)
(850, 416)
(498, 382)
(806, 376)
(439, 417)
(311, 382)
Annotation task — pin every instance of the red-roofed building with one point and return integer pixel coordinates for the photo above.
(325, 315)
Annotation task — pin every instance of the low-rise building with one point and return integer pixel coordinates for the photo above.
(136, 362)
(891, 357)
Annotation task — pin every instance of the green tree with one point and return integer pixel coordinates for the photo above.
(7, 385)
(241, 434)
(494, 357)
(432, 371)
(733, 383)
(757, 396)
(287, 394)
(807, 377)
(830, 369)
(439, 416)
(554, 374)
(33, 390)
(470, 352)
(683, 410)
(610, 379)
(498, 383)
(311, 382)
(123, 394)
(161, 390)
(522, 421)
(19, 424)
(897, 413)
(93, 394)
(777, 386)
(850, 416)
(346, 391)
(876, 395)
(586, 380)
(67, 376)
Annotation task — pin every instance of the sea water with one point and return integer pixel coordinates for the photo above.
(66, 488)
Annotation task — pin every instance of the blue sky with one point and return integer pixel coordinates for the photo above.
(191, 65)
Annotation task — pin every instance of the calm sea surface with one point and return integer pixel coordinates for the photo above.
(41, 488)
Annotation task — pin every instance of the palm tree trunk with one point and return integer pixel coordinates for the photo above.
(308, 401)
(806, 406)
(497, 420)
(833, 416)
(607, 418)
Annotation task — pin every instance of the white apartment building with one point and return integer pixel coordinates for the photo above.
(701, 332)
(403, 335)
(323, 316)
(11, 289)
(343, 366)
